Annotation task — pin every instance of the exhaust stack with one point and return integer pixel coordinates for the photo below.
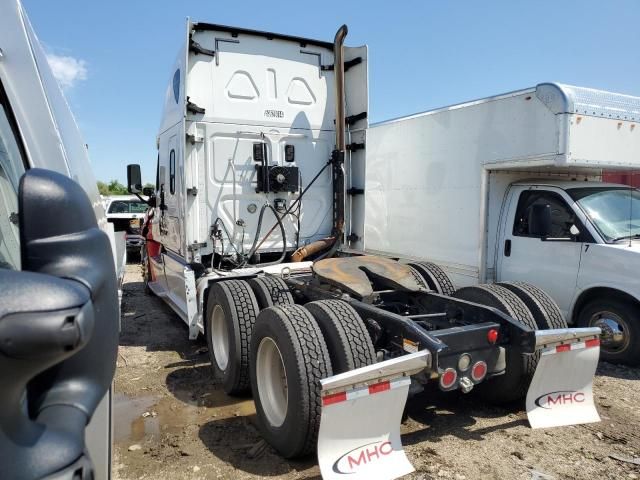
(338, 61)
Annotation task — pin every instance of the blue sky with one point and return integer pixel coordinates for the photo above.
(114, 57)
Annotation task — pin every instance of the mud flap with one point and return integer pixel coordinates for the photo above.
(191, 302)
(361, 414)
(561, 390)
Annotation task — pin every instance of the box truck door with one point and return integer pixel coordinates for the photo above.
(537, 244)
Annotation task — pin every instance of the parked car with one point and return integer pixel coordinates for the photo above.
(126, 212)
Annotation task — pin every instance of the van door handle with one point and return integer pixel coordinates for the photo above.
(507, 248)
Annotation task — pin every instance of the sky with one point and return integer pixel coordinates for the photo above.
(113, 58)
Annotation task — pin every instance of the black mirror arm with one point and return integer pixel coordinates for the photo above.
(147, 201)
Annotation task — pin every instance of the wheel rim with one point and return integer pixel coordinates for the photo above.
(272, 382)
(615, 332)
(220, 337)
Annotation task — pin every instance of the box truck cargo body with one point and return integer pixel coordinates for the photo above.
(464, 186)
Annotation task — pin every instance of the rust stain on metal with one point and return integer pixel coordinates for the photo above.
(354, 274)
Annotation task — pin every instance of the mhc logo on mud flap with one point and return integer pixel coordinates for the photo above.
(559, 398)
(362, 456)
(274, 113)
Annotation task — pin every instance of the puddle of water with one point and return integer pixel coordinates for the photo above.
(168, 414)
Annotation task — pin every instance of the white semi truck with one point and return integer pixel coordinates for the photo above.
(256, 240)
(508, 189)
(59, 309)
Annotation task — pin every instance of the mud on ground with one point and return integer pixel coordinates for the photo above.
(173, 422)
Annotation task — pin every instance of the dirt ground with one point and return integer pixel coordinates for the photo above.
(173, 422)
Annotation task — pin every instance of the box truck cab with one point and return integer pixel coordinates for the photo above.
(58, 288)
(509, 188)
(579, 240)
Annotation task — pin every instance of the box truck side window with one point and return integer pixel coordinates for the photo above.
(12, 167)
(172, 172)
(562, 216)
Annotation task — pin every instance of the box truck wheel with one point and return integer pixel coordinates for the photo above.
(545, 310)
(232, 309)
(347, 339)
(620, 324)
(288, 359)
(435, 277)
(514, 383)
(270, 291)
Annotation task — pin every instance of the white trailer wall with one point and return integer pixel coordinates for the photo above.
(424, 185)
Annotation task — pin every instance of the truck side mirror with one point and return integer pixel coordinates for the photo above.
(540, 220)
(148, 191)
(58, 331)
(134, 178)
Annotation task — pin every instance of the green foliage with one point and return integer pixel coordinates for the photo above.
(114, 187)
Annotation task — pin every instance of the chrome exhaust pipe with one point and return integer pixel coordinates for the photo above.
(338, 70)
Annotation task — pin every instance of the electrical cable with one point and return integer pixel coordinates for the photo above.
(255, 240)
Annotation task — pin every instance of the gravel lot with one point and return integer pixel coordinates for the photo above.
(173, 422)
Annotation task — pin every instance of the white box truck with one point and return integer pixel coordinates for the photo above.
(508, 189)
(259, 180)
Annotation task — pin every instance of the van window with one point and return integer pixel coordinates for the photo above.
(562, 216)
(12, 166)
(176, 85)
(172, 172)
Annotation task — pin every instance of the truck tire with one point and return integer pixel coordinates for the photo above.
(435, 277)
(347, 339)
(270, 291)
(232, 310)
(544, 309)
(288, 359)
(514, 383)
(620, 324)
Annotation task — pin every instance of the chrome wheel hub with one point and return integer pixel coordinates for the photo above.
(615, 336)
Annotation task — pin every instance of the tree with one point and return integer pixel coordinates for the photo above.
(103, 188)
(114, 187)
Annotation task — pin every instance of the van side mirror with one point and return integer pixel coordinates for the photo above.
(58, 331)
(540, 220)
(134, 178)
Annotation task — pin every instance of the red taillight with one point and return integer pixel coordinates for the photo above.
(448, 378)
(479, 371)
(492, 335)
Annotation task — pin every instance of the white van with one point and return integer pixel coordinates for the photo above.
(59, 307)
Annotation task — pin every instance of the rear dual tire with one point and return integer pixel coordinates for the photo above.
(232, 310)
(435, 278)
(289, 357)
(514, 383)
(302, 345)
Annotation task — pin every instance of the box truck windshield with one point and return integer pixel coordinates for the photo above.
(615, 212)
